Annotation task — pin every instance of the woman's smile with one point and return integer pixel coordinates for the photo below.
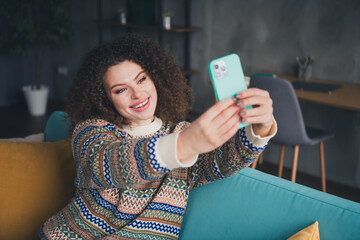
(142, 105)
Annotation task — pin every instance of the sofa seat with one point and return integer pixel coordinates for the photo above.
(255, 205)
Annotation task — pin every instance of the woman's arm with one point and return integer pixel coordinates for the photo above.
(212, 129)
(105, 158)
(220, 122)
(214, 135)
(237, 153)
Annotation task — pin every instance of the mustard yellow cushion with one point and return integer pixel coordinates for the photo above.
(36, 181)
(309, 233)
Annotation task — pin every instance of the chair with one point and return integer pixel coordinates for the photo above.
(291, 128)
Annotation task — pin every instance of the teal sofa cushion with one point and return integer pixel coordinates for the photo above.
(57, 127)
(256, 205)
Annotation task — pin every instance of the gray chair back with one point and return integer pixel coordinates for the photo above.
(287, 112)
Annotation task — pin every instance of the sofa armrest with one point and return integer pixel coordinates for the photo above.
(256, 205)
(57, 127)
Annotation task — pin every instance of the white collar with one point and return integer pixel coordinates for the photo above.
(143, 130)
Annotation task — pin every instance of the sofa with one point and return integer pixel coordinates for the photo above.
(36, 180)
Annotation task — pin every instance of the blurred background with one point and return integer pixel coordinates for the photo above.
(267, 35)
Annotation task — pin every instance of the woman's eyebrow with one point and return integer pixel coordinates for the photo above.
(139, 74)
(115, 85)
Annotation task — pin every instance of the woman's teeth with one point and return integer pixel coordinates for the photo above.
(141, 104)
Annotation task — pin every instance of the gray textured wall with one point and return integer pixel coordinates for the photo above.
(267, 35)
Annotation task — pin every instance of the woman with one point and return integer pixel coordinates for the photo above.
(136, 158)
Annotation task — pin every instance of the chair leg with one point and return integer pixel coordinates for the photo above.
(281, 161)
(295, 162)
(261, 158)
(253, 165)
(322, 163)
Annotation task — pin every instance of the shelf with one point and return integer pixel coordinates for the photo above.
(175, 28)
(158, 28)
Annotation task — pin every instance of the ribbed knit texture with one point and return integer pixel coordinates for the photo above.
(124, 193)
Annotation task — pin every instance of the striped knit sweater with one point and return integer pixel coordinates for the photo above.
(130, 184)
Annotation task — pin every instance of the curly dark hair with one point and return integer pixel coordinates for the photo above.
(87, 98)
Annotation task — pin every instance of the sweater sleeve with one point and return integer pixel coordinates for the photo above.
(106, 158)
(237, 153)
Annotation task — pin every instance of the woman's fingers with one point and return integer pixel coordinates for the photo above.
(258, 110)
(217, 116)
(260, 116)
(218, 136)
(216, 109)
(229, 123)
(255, 100)
(256, 119)
(231, 131)
(224, 117)
(208, 131)
(252, 92)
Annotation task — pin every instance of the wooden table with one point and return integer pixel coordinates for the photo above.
(347, 96)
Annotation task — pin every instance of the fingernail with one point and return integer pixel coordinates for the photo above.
(242, 113)
(239, 103)
(238, 95)
(236, 100)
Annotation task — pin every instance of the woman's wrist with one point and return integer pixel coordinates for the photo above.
(263, 130)
(184, 151)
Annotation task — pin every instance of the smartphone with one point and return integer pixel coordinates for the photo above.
(227, 77)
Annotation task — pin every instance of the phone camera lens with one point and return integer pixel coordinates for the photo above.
(216, 66)
(223, 68)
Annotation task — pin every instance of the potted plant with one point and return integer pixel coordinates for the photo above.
(122, 15)
(167, 20)
(28, 26)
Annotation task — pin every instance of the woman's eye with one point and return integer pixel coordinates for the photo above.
(119, 90)
(142, 79)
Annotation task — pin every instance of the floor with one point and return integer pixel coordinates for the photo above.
(16, 122)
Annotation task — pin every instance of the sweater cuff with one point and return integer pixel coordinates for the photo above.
(257, 140)
(166, 150)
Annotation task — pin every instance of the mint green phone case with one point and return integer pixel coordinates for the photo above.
(227, 77)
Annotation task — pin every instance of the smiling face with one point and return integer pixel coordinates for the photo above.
(132, 92)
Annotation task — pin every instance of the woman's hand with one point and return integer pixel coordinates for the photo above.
(220, 122)
(260, 116)
(212, 129)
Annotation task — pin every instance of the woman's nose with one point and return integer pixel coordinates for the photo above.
(136, 93)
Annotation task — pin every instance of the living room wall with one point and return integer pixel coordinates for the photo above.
(14, 69)
(267, 35)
